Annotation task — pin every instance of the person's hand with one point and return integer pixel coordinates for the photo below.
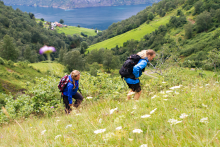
(70, 105)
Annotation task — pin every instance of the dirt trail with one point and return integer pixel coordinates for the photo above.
(192, 21)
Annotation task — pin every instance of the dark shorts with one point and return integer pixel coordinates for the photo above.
(135, 87)
(78, 100)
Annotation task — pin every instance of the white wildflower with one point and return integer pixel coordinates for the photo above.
(143, 145)
(130, 139)
(207, 85)
(175, 87)
(177, 92)
(204, 105)
(58, 120)
(165, 99)
(119, 128)
(153, 111)
(162, 92)
(153, 97)
(42, 133)
(137, 131)
(145, 116)
(204, 120)
(112, 110)
(135, 107)
(132, 112)
(100, 120)
(99, 131)
(165, 96)
(89, 97)
(174, 121)
(163, 82)
(184, 115)
(108, 136)
(201, 87)
(169, 91)
(68, 126)
(131, 93)
(57, 136)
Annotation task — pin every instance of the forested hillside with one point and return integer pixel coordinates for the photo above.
(70, 4)
(191, 35)
(21, 37)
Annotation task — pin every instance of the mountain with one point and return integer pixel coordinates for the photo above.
(70, 4)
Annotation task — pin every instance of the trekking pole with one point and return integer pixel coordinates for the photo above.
(155, 69)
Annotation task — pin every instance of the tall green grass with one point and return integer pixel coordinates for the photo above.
(196, 96)
(70, 30)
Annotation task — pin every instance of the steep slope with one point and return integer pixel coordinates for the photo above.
(179, 109)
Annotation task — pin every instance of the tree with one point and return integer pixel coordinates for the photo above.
(110, 61)
(78, 26)
(188, 30)
(42, 19)
(214, 58)
(61, 21)
(198, 7)
(83, 47)
(41, 24)
(218, 15)
(61, 54)
(7, 49)
(203, 21)
(150, 16)
(27, 53)
(73, 60)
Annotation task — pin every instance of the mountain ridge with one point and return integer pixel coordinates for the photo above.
(70, 4)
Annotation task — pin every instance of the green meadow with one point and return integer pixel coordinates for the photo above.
(179, 108)
(136, 34)
(70, 30)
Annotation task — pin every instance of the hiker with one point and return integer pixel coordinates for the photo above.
(133, 81)
(70, 91)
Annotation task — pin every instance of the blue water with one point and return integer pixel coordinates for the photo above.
(95, 17)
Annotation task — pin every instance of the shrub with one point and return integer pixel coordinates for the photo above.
(2, 62)
(11, 63)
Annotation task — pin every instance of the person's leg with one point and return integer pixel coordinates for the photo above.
(129, 94)
(137, 88)
(66, 102)
(137, 95)
(79, 98)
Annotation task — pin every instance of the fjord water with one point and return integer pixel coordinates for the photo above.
(94, 17)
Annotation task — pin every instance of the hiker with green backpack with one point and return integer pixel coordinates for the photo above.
(69, 85)
(132, 69)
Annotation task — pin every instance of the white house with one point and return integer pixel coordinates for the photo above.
(53, 24)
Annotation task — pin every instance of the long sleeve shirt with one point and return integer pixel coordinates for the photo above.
(69, 91)
(137, 71)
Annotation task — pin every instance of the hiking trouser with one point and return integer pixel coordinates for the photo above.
(78, 100)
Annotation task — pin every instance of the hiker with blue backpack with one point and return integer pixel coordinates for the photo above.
(69, 85)
(132, 69)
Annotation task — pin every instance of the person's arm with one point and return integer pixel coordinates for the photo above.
(70, 88)
(137, 68)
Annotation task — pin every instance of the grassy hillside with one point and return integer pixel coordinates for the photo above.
(19, 77)
(70, 30)
(136, 34)
(177, 109)
(57, 68)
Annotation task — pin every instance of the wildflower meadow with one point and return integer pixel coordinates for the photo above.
(178, 108)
